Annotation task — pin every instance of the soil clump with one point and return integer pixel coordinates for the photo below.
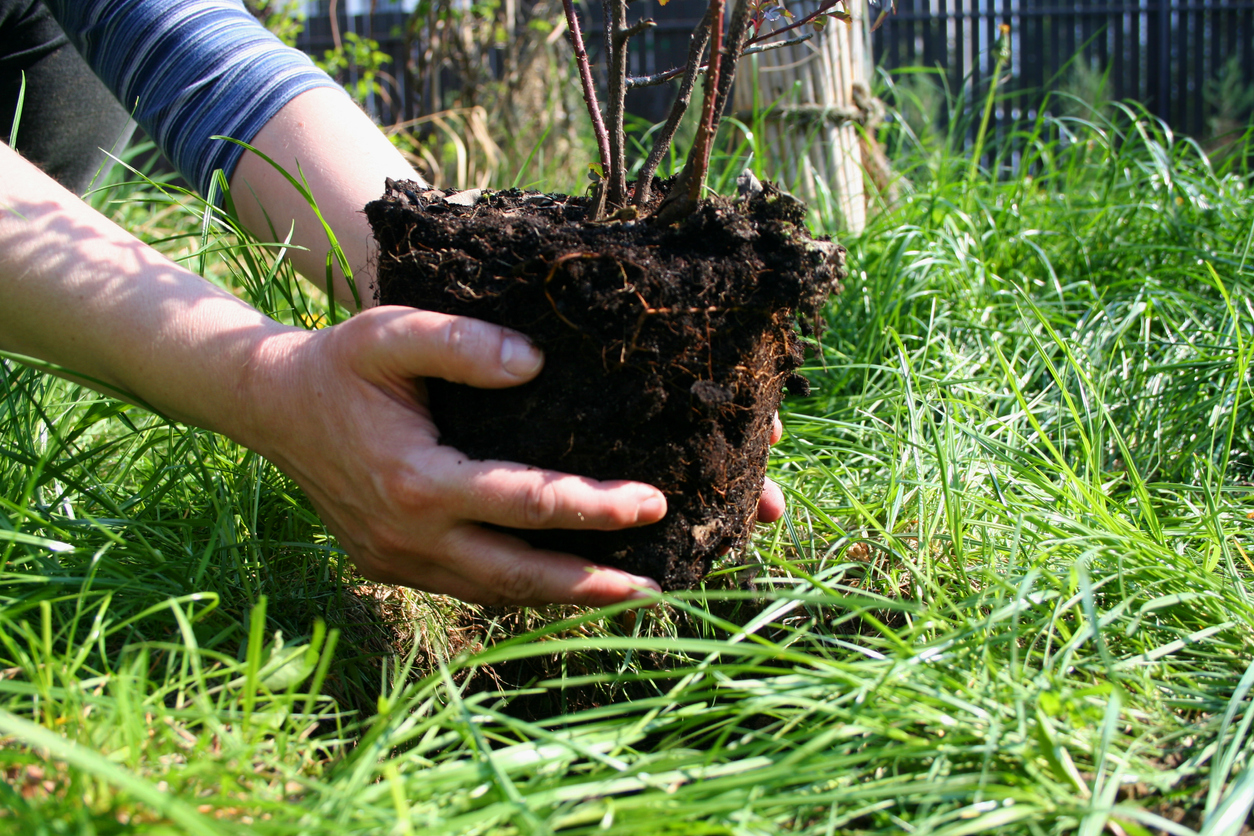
(667, 348)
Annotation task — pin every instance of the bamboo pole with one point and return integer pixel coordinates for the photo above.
(806, 92)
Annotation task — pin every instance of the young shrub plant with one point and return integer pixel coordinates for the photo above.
(729, 30)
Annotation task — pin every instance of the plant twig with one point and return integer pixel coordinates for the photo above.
(822, 10)
(683, 198)
(639, 26)
(696, 48)
(699, 159)
(589, 87)
(616, 38)
(737, 39)
(675, 72)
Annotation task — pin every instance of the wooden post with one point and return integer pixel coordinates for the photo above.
(815, 96)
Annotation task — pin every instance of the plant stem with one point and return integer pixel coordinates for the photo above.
(696, 48)
(683, 197)
(675, 72)
(826, 7)
(737, 39)
(699, 157)
(1003, 56)
(589, 87)
(616, 37)
(724, 56)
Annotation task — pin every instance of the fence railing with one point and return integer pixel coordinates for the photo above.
(661, 48)
(320, 34)
(1169, 55)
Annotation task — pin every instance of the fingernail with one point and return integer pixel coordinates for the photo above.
(652, 509)
(519, 357)
(649, 587)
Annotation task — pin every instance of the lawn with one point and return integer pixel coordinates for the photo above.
(1012, 593)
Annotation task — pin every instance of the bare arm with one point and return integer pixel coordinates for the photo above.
(78, 291)
(318, 132)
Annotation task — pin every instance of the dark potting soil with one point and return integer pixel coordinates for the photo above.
(667, 349)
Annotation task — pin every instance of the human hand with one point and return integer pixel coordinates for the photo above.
(771, 505)
(343, 411)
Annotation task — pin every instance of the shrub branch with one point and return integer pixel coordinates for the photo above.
(725, 53)
(589, 86)
(616, 37)
(824, 9)
(675, 72)
(696, 49)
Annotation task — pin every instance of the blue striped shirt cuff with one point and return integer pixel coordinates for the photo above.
(189, 70)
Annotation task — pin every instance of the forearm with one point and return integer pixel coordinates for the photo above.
(191, 70)
(345, 159)
(341, 410)
(78, 291)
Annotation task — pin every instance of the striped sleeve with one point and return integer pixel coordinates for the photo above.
(189, 70)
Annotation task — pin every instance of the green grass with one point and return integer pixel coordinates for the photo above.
(1012, 593)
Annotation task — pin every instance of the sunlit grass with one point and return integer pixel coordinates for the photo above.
(1011, 595)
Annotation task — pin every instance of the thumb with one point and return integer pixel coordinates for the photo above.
(407, 343)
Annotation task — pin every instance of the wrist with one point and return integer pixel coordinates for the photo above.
(211, 364)
(265, 398)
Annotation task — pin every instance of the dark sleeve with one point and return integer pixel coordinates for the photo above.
(189, 70)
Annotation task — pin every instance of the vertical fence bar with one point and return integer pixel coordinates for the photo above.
(1164, 54)
(957, 33)
(1181, 89)
(1247, 49)
(977, 44)
(1068, 24)
(1160, 55)
(885, 45)
(1035, 25)
(931, 55)
(1093, 32)
(1181, 21)
(1141, 56)
(1231, 25)
(1202, 69)
(1116, 66)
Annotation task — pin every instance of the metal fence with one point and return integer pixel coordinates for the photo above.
(661, 48)
(320, 33)
(1169, 55)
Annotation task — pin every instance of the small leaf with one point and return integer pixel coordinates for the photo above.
(286, 668)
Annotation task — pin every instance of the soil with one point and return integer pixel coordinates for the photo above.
(667, 349)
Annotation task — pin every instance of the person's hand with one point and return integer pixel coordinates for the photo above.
(342, 411)
(771, 505)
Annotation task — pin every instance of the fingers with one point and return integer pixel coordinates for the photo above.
(408, 343)
(498, 569)
(482, 566)
(406, 508)
(518, 496)
(771, 505)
